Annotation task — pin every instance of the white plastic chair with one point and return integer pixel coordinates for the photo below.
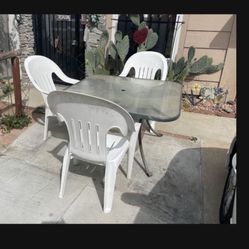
(146, 64)
(40, 69)
(88, 120)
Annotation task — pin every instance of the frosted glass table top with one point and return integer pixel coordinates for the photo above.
(143, 99)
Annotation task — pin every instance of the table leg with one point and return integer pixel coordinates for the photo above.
(151, 129)
(140, 136)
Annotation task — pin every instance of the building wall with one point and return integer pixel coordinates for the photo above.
(27, 42)
(14, 36)
(13, 33)
(4, 31)
(213, 35)
(5, 67)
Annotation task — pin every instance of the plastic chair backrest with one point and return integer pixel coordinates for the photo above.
(146, 65)
(40, 69)
(88, 121)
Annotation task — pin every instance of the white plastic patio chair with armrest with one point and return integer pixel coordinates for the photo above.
(89, 120)
(40, 69)
(146, 64)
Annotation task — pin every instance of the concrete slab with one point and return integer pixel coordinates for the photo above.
(216, 134)
(30, 195)
(174, 194)
(30, 178)
(182, 170)
(205, 127)
(88, 209)
(214, 176)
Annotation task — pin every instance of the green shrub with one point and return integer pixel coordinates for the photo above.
(9, 122)
(190, 67)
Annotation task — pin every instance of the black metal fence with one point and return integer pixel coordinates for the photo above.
(162, 24)
(60, 38)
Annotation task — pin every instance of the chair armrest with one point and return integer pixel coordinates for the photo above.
(69, 80)
(64, 77)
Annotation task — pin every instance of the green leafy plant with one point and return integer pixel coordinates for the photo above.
(145, 38)
(194, 139)
(110, 58)
(111, 61)
(182, 69)
(96, 57)
(93, 20)
(118, 52)
(9, 122)
(213, 97)
(216, 94)
(194, 96)
(6, 89)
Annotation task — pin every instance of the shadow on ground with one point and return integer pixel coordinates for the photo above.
(186, 186)
(185, 194)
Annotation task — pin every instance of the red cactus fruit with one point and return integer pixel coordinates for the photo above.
(140, 35)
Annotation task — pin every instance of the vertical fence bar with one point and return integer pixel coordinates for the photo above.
(77, 38)
(49, 37)
(17, 85)
(70, 46)
(66, 47)
(53, 37)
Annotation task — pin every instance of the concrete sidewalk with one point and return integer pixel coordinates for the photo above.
(30, 176)
(186, 186)
(216, 134)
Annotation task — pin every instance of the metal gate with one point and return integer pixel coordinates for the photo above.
(60, 38)
(162, 24)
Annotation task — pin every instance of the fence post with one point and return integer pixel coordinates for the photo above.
(17, 85)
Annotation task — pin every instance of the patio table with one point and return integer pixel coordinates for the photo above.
(143, 99)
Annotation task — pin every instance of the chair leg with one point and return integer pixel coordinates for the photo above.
(46, 125)
(110, 179)
(132, 149)
(153, 125)
(65, 166)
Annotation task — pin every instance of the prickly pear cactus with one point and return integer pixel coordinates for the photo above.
(118, 53)
(90, 62)
(96, 57)
(201, 65)
(152, 39)
(103, 39)
(118, 36)
(191, 54)
(180, 70)
(112, 50)
(179, 66)
(142, 25)
(135, 18)
(123, 47)
(214, 68)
